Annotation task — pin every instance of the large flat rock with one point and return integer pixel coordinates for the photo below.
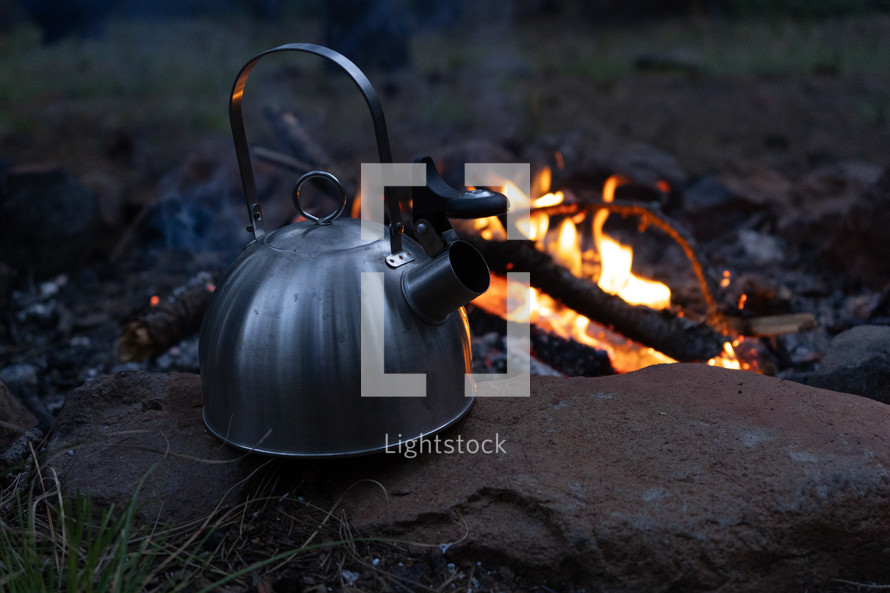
(673, 478)
(140, 434)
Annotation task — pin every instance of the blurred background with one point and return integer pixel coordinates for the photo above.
(131, 85)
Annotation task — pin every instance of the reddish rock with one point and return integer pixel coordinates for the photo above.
(118, 430)
(16, 421)
(673, 478)
(857, 361)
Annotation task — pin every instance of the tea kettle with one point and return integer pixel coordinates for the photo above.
(286, 331)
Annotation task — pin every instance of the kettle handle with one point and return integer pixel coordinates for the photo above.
(242, 152)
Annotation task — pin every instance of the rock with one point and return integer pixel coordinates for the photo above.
(583, 159)
(757, 182)
(451, 160)
(677, 477)
(841, 213)
(16, 422)
(761, 248)
(48, 221)
(713, 209)
(120, 429)
(857, 361)
(857, 237)
(836, 184)
(673, 478)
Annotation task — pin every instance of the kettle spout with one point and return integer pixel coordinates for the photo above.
(453, 278)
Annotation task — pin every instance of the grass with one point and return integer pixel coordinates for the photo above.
(175, 75)
(172, 75)
(855, 45)
(50, 544)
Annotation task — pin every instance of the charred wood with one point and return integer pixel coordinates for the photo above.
(650, 216)
(167, 322)
(568, 357)
(679, 338)
(772, 325)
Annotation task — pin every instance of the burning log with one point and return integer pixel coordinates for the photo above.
(648, 217)
(565, 356)
(679, 338)
(168, 321)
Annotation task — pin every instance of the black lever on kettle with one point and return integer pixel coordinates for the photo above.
(437, 201)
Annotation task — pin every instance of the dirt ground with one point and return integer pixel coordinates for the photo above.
(122, 108)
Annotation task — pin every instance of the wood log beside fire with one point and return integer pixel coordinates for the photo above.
(168, 321)
(677, 337)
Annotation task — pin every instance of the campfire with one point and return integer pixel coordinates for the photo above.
(585, 294)
(572, 234)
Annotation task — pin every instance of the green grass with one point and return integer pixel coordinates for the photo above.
(50, 544)
(856, 45)
(167, 82)
(54, 544)
(175, 75)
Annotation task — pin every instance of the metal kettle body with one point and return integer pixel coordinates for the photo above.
(280, 348)
(286, 332)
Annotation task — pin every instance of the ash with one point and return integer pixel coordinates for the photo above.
(61, 327)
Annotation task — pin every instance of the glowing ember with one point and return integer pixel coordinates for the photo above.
(548, 315)
(729, 360)
(154, 300)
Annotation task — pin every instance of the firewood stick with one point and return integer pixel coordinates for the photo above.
(297, 139)
(651, 216)
(167, 322)
(281, 160)
(679, 338)
(772, 325)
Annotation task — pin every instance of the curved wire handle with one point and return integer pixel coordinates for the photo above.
(254, 210)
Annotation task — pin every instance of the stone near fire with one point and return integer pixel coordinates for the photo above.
(673, 478)
(857, 361)
(857, 239)
(48, 220)
(16, 424)
(587, 158)
(136, 426)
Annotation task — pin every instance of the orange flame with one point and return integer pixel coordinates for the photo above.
(549, 315)
(728, 358)
(154, 300)
(616, 261)
(565, 243)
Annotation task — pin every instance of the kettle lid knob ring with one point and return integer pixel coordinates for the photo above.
(323, 175)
